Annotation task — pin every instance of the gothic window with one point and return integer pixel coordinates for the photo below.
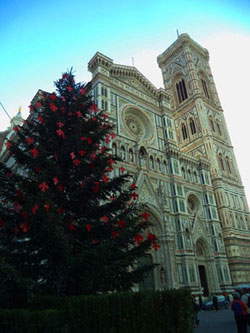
(165, 167)
(189, 176)
(123, 153)
(158, 164)
(183, 171)
(104, 92)
(195, 177)
(143, 156)
(228, 165)
(131, 155)
(104, 105)
(184, 131)
(200, 251)
(192, 126)
(211, 124)
(181, 90)
(113, 99)
(221, 162)
(151, 162)
(218, 128)
(204, 86)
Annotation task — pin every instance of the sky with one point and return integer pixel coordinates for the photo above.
(42, 39)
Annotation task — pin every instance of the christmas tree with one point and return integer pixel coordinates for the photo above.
(67, 224)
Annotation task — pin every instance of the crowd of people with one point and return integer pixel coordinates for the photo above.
(239, 302)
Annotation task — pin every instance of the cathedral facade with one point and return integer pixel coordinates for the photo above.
(175, 143)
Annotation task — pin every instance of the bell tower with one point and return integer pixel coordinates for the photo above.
(201, 131)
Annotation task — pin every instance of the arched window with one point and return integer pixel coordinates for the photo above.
(218, 128)
(165, 167)
(204, 86)
(183, 171)
(184, 131)
(211, 124)
(123, 153)
(221, 162)
(151, 162)
(131, 155)
(195, 177)
(143, 156)
(189, 176)
(228, 165)
(158, 164)
(192, 126)
(181, 90)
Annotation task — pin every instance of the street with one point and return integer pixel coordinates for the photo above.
(221, 321)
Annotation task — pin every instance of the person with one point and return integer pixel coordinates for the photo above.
(240, 313)
(196, 309)
(244, 296)
(215, 303)
(200, 301)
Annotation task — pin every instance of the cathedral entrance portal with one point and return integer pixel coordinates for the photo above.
(202, 263)
(203, 279)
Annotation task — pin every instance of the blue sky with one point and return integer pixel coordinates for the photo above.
(42, 39)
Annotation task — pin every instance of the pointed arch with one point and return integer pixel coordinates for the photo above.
(184, 131)
(192, 126)
(211, 122)
(221, 163)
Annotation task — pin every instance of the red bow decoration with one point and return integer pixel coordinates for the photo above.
(24, 227)
(60, 132)
(34, 152)
(8, 144)
(96, 187)
(133, 186)
(71, 227)
(151, 237)
(121, 223)
(34, 209)
(138, 239)
(60, 124)
(134, 196)
(53, 96)
(55, 180)
(40, 119)
(145, 215)
(76, 162)
(53, 107)
(43, 187)
(88, 227)
(114, 234)
(104, 219)
(122, 169)
(93, 108)
(29, 140)
(82, 91)
(105, 179)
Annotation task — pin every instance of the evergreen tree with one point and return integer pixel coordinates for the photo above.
(65, 223)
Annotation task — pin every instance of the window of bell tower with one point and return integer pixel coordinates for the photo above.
(181, 90)
(204, 86)
(184, 132)
(192, 126)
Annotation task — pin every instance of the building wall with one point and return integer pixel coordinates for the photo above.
(180, 179)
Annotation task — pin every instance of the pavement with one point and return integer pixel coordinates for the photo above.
(221, 321)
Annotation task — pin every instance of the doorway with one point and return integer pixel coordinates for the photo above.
(203, 279)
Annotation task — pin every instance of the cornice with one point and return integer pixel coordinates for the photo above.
(182, 40)
(118, 70)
